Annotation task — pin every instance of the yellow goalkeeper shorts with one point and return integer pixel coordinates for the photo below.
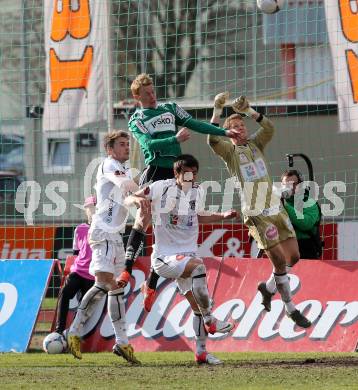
(268, 231)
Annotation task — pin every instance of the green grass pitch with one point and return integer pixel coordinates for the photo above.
(177, 370)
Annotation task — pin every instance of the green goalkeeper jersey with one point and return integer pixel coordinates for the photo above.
(155, 129)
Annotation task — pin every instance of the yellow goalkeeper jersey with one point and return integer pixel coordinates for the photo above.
(248, 164)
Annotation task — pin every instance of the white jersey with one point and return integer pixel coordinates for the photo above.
(176, 226)
(111, 215)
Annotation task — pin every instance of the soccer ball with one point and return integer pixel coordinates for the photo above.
(270, 6)
(54, 343)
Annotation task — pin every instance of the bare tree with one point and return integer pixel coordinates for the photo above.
(168, 39)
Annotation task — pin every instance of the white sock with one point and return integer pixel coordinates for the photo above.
(271, 284)
(283, 287)
(200, 333)
(116, 311)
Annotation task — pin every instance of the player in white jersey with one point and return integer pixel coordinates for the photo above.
(177, 208)
(112, 185)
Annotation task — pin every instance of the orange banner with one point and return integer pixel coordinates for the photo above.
(76, 45)
(27, 242)
(342, 18)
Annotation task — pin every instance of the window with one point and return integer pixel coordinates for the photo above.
(9, 182)
(59, 153)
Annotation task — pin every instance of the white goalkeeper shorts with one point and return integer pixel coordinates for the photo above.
(107, 256)
(172, 267)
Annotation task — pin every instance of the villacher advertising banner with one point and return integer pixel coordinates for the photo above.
(325, 291)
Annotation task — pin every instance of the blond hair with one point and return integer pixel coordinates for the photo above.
(142, 79)
(110, 138)
(231, 118)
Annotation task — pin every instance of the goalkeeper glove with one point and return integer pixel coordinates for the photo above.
(219, 103)
(242, 106)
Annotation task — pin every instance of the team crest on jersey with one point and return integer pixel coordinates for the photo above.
(139, 114)
(192, 204)
(173, 219)
(243, 158)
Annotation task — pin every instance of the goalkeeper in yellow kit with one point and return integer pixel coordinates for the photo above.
(263, 213)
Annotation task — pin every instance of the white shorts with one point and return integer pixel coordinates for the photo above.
(107, 256)
(172, 267)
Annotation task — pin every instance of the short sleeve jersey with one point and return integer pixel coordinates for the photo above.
(83, 259)
(175, 216)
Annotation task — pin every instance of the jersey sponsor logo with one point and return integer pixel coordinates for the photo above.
(261, 167)
(249, 172)
(254, 170)
(110, 212)
(182, 114)
(164, 122)
(271, 232)
(190, 221)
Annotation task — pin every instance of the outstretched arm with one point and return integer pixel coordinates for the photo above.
(207, 217)
(207, 128)
(147, 142)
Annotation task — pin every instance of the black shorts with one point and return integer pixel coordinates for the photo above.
(155, 173)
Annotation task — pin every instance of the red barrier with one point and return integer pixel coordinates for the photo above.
(325, 291)
(232, 240)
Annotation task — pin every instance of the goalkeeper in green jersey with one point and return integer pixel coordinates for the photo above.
(155, 127)
(263, 212)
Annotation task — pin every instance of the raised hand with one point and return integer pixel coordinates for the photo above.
(219, 103)
(242, 106)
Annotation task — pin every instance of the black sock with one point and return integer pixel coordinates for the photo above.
(134, 246)
(152, 279)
